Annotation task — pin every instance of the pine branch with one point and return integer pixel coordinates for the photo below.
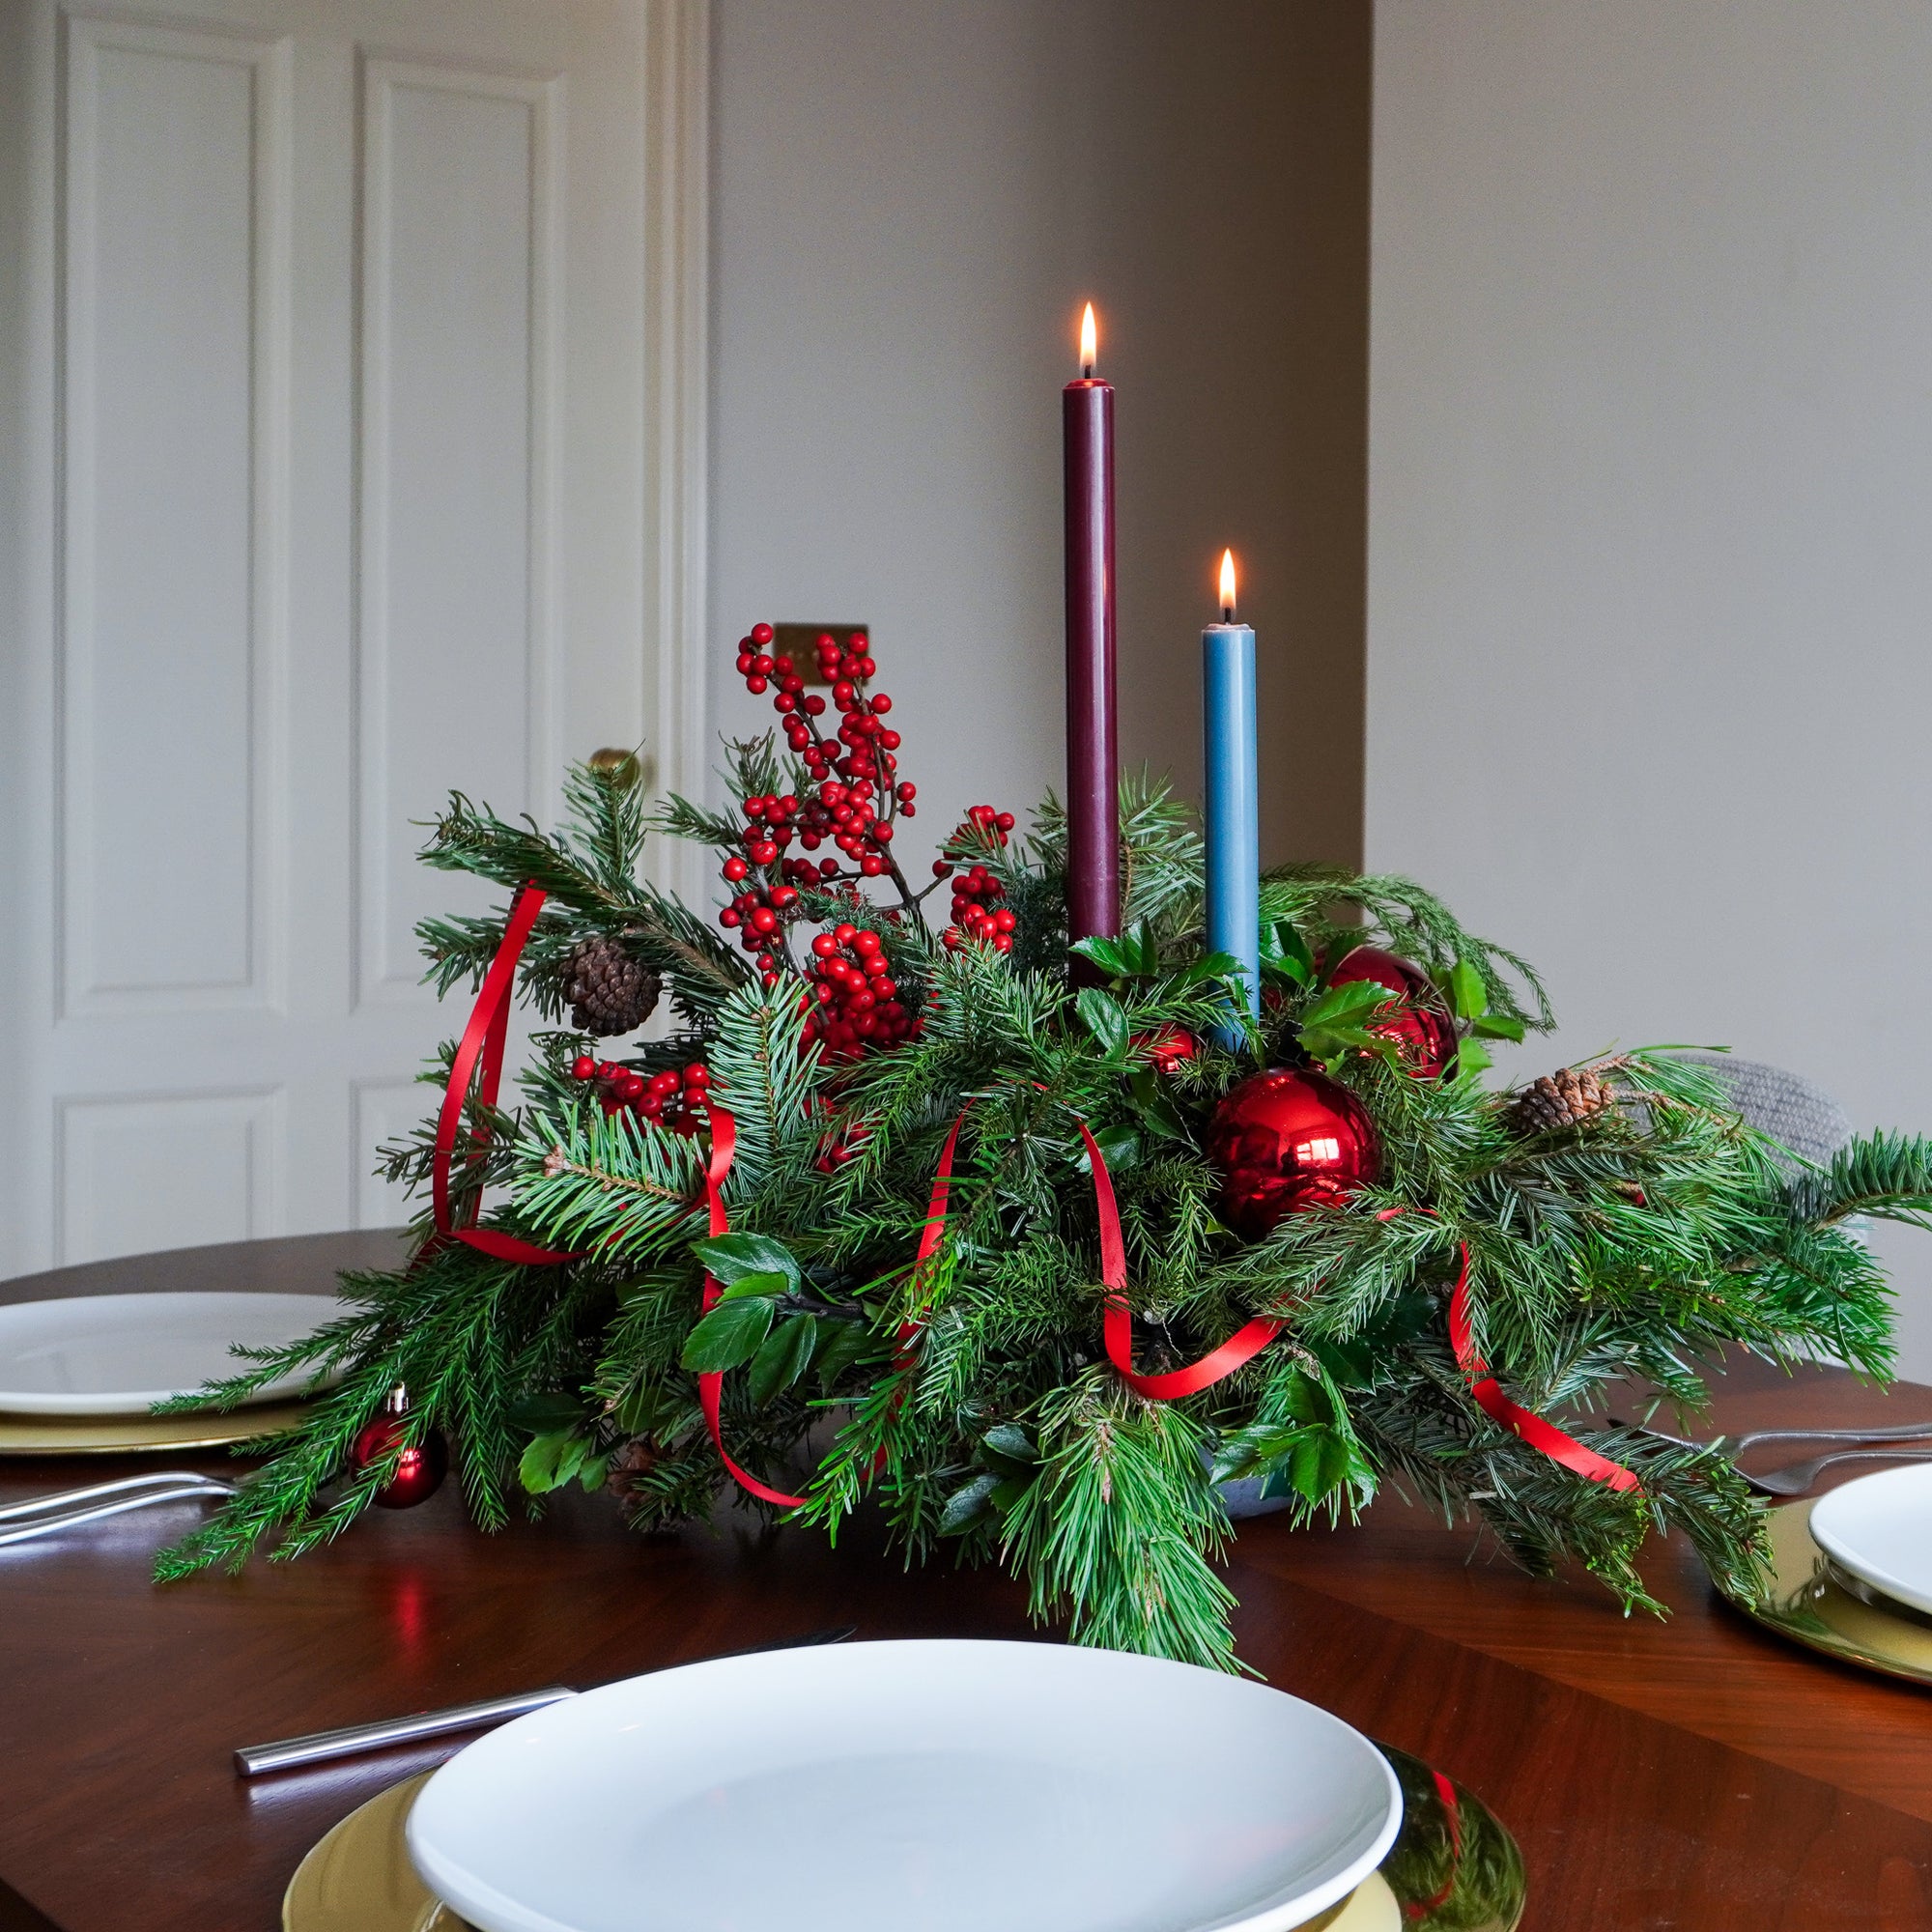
(1887, 1174)
(1117, 1530)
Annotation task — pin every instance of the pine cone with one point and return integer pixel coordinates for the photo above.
(608, 991)
(1565, 1098)
(637, 1457)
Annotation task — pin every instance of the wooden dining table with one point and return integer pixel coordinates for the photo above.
(1696, 1772)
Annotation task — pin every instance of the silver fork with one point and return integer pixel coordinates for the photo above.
(1795, 1478)
(1736, 1445)
(42, 1515)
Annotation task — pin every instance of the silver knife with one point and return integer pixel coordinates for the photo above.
(320, 1747)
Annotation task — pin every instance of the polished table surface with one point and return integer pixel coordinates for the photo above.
(1698, 1773)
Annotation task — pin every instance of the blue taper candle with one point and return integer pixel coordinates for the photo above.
(1233, 789)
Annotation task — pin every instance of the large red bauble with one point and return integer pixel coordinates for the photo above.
(1421, 1028)
(1288, 1140)
(420, 1471)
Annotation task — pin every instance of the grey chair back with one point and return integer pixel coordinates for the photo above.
(1788, 1108)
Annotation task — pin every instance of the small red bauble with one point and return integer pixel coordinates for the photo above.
(1167, 1051)
(1420, 1027)
(420, 1471)
(1288, 1140)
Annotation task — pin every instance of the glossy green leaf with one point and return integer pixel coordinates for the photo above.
(1467, 994)
(842, 1343)
(728, 1335)
(1104, 1019)
(782, 1358)
(965, 1507)
(758, 1284)
(1010, 1441)
(730, 1256)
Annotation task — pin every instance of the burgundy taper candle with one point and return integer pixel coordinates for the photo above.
(1093, 743)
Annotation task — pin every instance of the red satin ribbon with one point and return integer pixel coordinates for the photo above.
(1526, 1423)
(711, 1382)
(483, 1040)
(1118, 1323)
(1247, 1342)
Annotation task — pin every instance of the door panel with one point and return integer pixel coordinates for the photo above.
(354, 464)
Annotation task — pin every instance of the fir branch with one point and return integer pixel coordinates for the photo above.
(1117, 1531)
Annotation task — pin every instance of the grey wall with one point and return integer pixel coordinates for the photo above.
(911, 203)
(1650, 488)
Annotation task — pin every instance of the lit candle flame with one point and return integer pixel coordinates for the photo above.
(1228, 587)
(1089, 342)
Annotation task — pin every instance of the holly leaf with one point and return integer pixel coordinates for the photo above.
(1156, 1109)
(1334, 1025)
(1241, 1451)
(1119, 1147)
(537, 1468)
(1209, 966)
(729, 1256)
(1321, 1463)
(542, 1414)
(1498, 1026)
(552, 1459)
(1469, 997)
(758, 1284)
(965, 1507)
(1346, 1005)
(730, 1334)
(784, 1357)
(1104, 1019)
(1106, 953)
(1009, 1443)
(1284, 954)
(1473, 1058)
(841, 1345)
(1133, 955)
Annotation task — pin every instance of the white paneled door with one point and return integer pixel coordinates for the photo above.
(349, 375)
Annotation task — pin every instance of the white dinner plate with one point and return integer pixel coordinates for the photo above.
(119, 1354)
(1880, 1528)
(910, 1787)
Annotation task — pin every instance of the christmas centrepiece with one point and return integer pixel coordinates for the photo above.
(1029, 1222)
(1028, 1245)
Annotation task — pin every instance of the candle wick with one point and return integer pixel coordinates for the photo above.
(1227, 613)
(1086, 372)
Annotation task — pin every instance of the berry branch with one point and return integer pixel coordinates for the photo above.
(854, 800)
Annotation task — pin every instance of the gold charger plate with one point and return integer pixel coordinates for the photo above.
(1805, 1604)
(135, 1434)
(358, 1878)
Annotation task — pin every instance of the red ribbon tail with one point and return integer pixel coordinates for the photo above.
(482, 1047)
(711, 1382)
(1118, 1323)
(1533, 1429)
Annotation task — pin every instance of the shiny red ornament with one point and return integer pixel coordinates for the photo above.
(1288, 1140)
(1168, 1050)
(1421, 1028)
(420, 1471)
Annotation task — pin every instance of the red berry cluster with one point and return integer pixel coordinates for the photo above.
(974, 915)
(673, 1099)
(857, 1000)
(869, 742)
(837, 1149)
